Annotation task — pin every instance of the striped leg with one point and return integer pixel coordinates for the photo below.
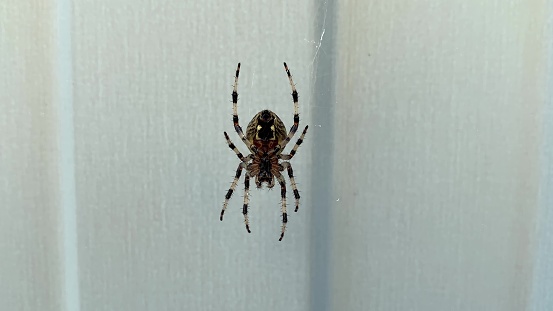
(288, 167)
(238, 153)
(295, 97)
(232, 187)
(296, 146)
(246, 201)
(283, 195)
(237, 126)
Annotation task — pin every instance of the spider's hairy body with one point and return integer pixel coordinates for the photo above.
(265, 138)
(264, 169)
(265, 131)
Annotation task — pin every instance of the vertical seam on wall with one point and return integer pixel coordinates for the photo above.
(541, 296)
(66, 139)
(322, 163)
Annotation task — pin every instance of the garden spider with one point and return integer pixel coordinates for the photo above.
(265, 138)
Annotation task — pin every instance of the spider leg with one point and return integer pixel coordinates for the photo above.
(295, 97)
(283, 199)
(296, 146)
(232, 187)
(246, 201)
(288, 167)
(237, 126)
(238, 153)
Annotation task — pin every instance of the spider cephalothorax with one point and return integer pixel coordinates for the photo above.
(265, 138)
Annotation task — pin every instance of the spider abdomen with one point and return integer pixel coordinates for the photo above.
(265, 146)
(266, 130)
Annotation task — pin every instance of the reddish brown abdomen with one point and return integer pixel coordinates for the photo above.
(265, 146)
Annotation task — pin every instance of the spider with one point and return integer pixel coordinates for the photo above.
(265, 138)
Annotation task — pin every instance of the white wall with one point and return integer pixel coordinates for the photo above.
(152, 84)
(440, 113)
(30, 258)
(422, 175)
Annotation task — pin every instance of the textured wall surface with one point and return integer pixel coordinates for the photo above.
(30, 258)
(424, 174)
(444, 148)
(152, 99)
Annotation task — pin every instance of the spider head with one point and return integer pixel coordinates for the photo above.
(265, 175)
(265, 178)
